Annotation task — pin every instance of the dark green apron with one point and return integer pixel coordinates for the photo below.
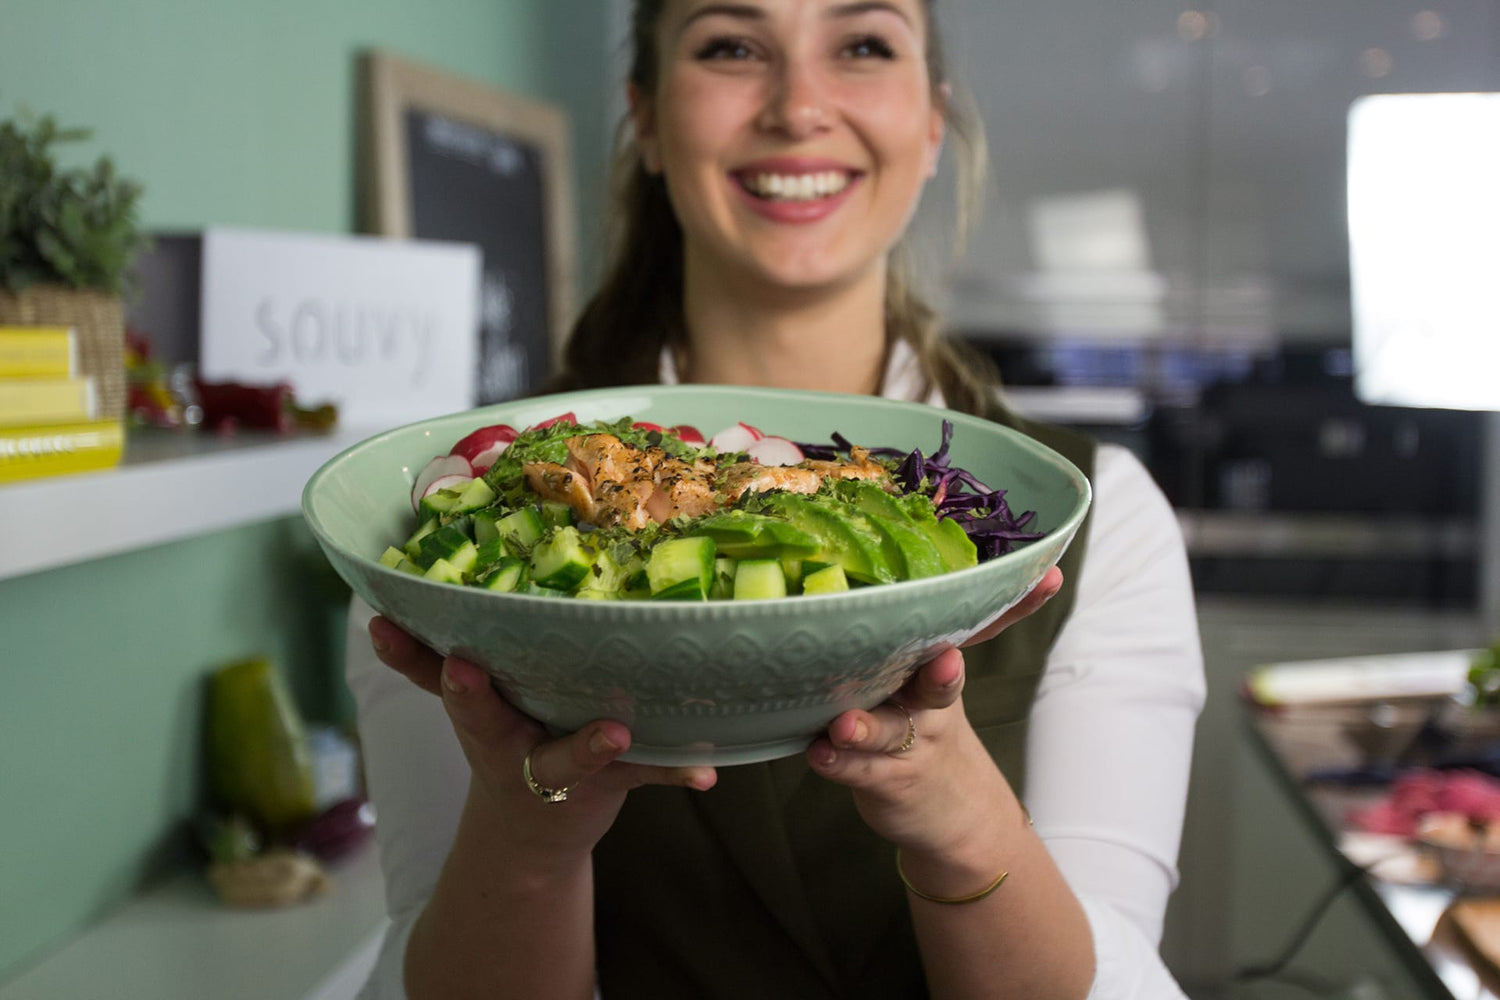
(770, 885)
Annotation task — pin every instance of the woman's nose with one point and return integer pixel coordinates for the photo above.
(797, 103)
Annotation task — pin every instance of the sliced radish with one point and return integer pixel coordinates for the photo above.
(485, 445)
(772, 450)
(646, 425)
(689, 434)
(735, 438)
(442, 465)
(561, 418)
(447, 483)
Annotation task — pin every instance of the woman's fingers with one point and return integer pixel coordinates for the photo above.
(406, 656)
(1040, 594)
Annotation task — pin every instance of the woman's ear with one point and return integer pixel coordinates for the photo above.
(643, 122)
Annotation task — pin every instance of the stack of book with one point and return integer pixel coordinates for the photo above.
(50, 422)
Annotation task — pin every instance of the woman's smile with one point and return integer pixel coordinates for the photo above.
(794, 136)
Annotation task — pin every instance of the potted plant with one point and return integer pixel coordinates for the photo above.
(68, 239)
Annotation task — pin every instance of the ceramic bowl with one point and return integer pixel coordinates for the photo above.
(717, 682)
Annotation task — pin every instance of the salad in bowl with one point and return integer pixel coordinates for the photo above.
(725, 594)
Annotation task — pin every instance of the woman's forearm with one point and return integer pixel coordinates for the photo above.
(498, 925)
(1029, 938)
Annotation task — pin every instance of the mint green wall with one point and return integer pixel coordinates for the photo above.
(228, 111)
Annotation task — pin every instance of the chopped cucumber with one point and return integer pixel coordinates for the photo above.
(556, 514)
(508, 574)
(443, 571)
(759, 579)
(392, 557)
(561, 562)
(412, 548)
(723, 586)
(449, 543)
(828, 580)
(682, 568)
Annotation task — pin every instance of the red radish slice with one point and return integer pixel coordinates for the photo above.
(646, 425)
(494, 438)
(735, 438)
(689, 434)
(446, 483)
(482, 461)
(561, 418)
(442, 465)
(774, 451)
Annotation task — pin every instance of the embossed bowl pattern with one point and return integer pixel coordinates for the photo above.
(718, 682)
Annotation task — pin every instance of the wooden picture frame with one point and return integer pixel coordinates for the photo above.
(449, 158)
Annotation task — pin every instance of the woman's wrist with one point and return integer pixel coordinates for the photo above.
(970, 863)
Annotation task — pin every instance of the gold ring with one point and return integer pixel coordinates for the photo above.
(539, 790)
(911, 729)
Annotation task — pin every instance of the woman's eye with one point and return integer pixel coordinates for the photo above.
(725, 49)
(869, 47)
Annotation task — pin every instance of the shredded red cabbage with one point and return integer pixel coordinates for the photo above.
(983, 513)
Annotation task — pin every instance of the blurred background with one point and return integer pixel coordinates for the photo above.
(1163, 259)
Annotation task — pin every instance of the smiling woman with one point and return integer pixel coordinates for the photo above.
(776, 152)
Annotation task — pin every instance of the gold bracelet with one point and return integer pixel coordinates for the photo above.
(972, 897)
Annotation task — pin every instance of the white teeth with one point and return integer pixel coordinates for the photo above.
(797, 187)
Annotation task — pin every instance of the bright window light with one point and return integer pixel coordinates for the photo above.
(1424, 249)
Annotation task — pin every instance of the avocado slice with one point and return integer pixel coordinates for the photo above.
(918, 554)
(740, 534)
(844, 537)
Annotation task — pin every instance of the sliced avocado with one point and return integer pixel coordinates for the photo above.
(741, 534)
(853, 543)
(919, 554)
(957, 548)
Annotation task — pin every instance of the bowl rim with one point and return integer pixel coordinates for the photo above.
(550, 403)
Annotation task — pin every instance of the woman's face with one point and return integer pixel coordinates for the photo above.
(794, 136)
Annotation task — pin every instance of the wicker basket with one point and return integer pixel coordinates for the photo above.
(98, 319)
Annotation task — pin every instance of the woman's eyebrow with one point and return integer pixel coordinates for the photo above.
(741, 11)
(866, 7)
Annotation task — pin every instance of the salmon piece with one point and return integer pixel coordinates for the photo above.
(858, 466)
(743, 477)
(681, 490)
(605, 458)
(623, 503)
(562, 485)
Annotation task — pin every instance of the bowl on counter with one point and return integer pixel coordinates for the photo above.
(705, 682)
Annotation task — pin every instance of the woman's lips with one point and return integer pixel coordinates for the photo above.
(795, 192)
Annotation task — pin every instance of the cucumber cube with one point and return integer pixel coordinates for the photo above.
(443, 571)
(507, 575)
(682, 568)
(759, 579)
(449, 543)
(561, 562)
(828, 580)
(392, 557)
(412, 547)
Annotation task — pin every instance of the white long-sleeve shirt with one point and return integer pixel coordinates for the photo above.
(1108, 754)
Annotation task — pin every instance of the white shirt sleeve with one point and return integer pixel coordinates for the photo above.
(417, 776)
(1111, 736)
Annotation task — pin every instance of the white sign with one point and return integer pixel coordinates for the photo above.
(386, 329)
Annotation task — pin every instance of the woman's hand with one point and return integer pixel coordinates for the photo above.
(929, 796)
(496, 738)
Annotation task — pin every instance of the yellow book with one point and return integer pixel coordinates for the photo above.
(47, 400)
(54, 449)
(37, 351)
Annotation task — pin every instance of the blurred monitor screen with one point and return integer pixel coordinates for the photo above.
(1424, 249)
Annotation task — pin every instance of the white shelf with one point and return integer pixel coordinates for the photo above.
(172, 485)
(178, 942)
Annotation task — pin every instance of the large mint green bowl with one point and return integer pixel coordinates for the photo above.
(719, 682)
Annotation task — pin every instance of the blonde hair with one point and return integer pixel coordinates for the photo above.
(637, 311)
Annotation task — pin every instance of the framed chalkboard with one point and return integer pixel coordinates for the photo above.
(452, 159)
